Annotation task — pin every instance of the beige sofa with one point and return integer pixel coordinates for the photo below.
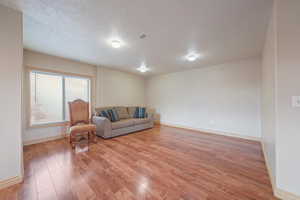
(127, 124)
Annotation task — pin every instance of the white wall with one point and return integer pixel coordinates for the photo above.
(281, 72)
(223, 98)
(109, 87)
(11, 53)
(117, 88)
(288, 85)
(268, 96)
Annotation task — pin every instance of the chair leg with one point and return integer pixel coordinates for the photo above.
(91, 138)
(94, 136)
(72, 140)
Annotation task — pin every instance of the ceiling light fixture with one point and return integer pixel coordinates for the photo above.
(143, 68)
(192, 57)
(116, 44)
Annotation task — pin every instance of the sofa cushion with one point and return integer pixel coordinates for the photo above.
(140, 112)
(138, 121)
(131, 111)
(122, 123)
(122, 112)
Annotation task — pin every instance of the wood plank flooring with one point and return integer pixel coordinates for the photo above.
(159, 163)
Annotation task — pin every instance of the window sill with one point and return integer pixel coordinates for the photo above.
(46, 125)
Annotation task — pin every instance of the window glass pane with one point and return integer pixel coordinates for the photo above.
(76, 88)
(46, 98)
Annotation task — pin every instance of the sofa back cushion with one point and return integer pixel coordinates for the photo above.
(131, 111)
(122, 112)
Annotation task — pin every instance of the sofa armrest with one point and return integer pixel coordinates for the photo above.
(151, 116)
(103, 126)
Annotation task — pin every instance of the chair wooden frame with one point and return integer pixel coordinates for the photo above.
(80, 122)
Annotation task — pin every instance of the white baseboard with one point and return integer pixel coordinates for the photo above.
(279, 193)
(30, 142)
(212, 131)
(286, 195)
(10, 182)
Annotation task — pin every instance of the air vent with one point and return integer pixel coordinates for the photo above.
(142, 36)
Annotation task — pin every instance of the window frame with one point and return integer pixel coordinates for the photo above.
(63, 75)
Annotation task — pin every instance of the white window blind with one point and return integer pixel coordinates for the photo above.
(50, 94)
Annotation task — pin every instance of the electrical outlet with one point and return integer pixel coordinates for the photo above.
(296, 101)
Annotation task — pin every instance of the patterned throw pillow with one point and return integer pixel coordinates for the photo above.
(104, 113)
(113, 115)
(140, 112)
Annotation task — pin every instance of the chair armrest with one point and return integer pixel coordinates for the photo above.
(103, 126)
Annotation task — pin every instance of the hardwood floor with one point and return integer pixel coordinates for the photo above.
(159, 163)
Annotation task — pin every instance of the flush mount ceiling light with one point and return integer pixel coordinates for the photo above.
(143, 68)
(116, 44)
(192, 57)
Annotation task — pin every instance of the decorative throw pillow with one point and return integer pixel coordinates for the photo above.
(113, 115)
(104, 113)
(140, 112)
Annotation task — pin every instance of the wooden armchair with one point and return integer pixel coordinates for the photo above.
(80, 122)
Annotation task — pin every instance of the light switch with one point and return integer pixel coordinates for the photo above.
(296, 101)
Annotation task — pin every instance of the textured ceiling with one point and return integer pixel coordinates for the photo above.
(220, 30)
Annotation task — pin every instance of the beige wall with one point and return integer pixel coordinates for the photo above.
(222, 98)
(117, 88)
(109, 87)
(11, 53)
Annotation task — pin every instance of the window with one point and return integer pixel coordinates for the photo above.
(50, 94)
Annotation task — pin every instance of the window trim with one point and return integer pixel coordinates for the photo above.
(61, 73)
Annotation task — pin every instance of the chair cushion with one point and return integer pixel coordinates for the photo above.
(82, 128)
(113, 115)
(122, 112)
(138, 121)
(122, 123)
(140, 112)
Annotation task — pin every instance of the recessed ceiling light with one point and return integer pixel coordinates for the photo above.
(143, 68)
(116, 43)
(192, 57)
